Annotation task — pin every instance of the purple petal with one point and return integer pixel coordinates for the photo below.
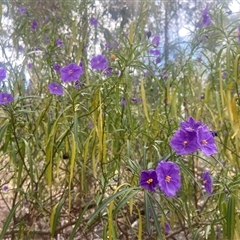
(168, 174)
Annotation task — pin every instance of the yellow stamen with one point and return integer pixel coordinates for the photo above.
(150, 180)
(167, 178)
(113, 57)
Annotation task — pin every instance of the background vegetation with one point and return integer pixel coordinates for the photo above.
(71, 163)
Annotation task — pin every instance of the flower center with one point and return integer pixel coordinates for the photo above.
(70, 72)
(204, 182)
(5, 99)
(167, 178)
(204, 142)
(185, 143)
(149, 181)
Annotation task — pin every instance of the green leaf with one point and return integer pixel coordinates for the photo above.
(79, 221)
(54, 219)
(8, 220)
(152, 212)
(230, 217)
(106, 202)
(124, 200)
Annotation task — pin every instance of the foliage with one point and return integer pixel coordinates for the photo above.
(72, 152)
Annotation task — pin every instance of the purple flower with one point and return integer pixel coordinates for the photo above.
(164, 74)
(55, 88)
(81, 64)
(124, 102)
(206, 20)
(168, 176)
(107, 46)
(167, 227)
(147, 73)
(46, 39)
(224, 75)
(190, 125)
(202, 96)
(148, 33)
(229, 12)
(84, 47)
(154, 52)
(206, 141)
(136, 100)
(205, 16)
(21, 10)
(20, 48)
(5, 188)
(117, 72)
(156, 41)
(238, 33)
(34, 25)
(56, 67)
(3, 74)
(115, 45)
(150, 215)
(148, 180)
(5, 98)
(71, 72)
(93, 21)
(99, 62)
(78, 84)
(108, 71)
(191, 136)
(59, 43)
(30, 65)
(207, 182)
(184, 142)
(158, 60)
(90, 125)
(199, 59)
